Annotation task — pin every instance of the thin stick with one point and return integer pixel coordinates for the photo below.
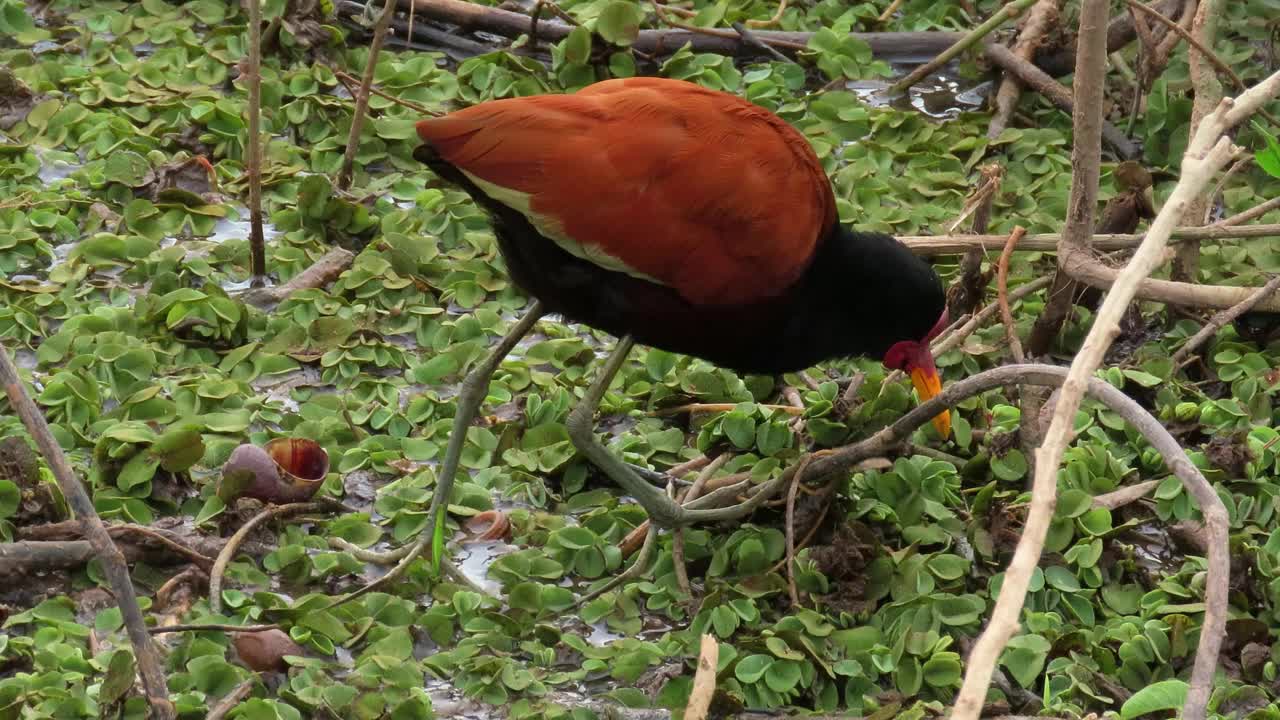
(253, 163)
(1251, 214)
(930, 245)
(362, 97)
(233, 543)
(1125, 495)
(1002, 286)
(1236, 167)
(677, 536)
(1011, 10)
(635, 570)
(889, 11)
(211, 627)
(777, 17)
(1208, 151)
(660, 8)
(150, 666)
(1220, 320)
(352, 83)
(704, 680)
(1086, 151)
(721, 407)
(791, 530)
(232, 700)
(1053, 91)
(751, 40)
(1044, 14)
(1207, 53)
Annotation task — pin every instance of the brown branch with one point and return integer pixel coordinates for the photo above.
(210, 627)
(150, 666)
(473, 16)
(229, 550)
(232, 700)
(756, 43)
(1043, 16)
(1002, 287)
(1206, 95)
(362, 97)
(1207, 152)
(1083, 266)
(352, 84)
(790, 526)
(1220, 320)
(253, 163)
(1120, 33)
(1229, 229)
(721, 407)
(1054, 91)
(1252, 213)
(1086, 151)
(1208, 54)
(322, 272)
(1005, 13)
(1130, 493)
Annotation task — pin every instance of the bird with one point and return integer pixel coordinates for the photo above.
(686, 219)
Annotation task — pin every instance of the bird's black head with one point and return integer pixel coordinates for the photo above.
(891, 303)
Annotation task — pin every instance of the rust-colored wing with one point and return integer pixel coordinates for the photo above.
(698, 190)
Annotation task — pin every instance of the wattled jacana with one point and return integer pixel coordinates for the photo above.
(686, 219)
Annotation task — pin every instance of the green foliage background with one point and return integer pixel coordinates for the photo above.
(120, 290)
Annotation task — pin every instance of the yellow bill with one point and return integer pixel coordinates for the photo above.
(928, 384)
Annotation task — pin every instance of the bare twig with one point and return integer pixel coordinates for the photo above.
(1220, 320)
(704, 680)
(1208, 54)
(1236, 167)
(772, 20)
(352, 84)
(1206, 94)
(233, 543)
(752, 41)
(362, 97)
(1002, 287)
(664, 41)
(150, 666)
(660, 9)
(889, 11)
(1125, 495)
(253, 163)
(1208, 151)
(210, 627)
(677, 535)
(321, 273)
(1090, 77)
(1043, 15)
(231, 700)
(1054, 91)
(1010, 10)
(791, 530)
(1252, 213)
(721, 407)
(1229, 229)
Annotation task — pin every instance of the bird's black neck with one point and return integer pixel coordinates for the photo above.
(862, 293)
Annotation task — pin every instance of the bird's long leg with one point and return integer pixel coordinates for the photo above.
(470, 395)
(663, 511)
